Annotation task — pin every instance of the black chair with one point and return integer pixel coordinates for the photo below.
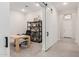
(28, 32)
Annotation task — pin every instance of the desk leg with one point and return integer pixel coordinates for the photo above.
(29, 41)
(17, 45)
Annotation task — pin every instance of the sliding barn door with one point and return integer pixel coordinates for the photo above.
(4, 29)
(51, 26)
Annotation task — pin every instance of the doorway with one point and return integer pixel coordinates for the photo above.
(67, 26)
(25, 19)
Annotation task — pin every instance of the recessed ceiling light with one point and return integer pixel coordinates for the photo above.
(48, 8)
(37, 4)
(65, 3)
(23, 10)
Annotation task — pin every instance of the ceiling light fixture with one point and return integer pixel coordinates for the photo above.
(23, 10)
(65, 3)
(48, 8)
(37, 4)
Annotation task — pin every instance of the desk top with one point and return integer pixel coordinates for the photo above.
(19, 36)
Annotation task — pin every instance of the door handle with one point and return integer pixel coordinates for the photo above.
(6, 42)
(47, 33)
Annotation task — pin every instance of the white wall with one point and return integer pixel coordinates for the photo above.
(17, 22)
(77, 27)
(31, 15)
(51, 27)
(60, 17)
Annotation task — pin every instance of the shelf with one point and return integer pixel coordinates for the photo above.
(36, 30)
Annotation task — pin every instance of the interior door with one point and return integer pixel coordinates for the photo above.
(67, 28)
(47, 27)
(51, 26)
(4, 28)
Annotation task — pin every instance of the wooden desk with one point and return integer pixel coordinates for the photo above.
(16, 40)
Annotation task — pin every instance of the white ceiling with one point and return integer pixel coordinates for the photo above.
(61, 7)
(32, 6)
(21, 5)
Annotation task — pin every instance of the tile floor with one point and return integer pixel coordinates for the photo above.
(63, 48)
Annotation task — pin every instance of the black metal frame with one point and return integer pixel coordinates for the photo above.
(36, 35)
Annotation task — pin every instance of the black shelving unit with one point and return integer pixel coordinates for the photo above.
(36, 30)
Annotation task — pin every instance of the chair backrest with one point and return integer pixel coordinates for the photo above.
(28, 32)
